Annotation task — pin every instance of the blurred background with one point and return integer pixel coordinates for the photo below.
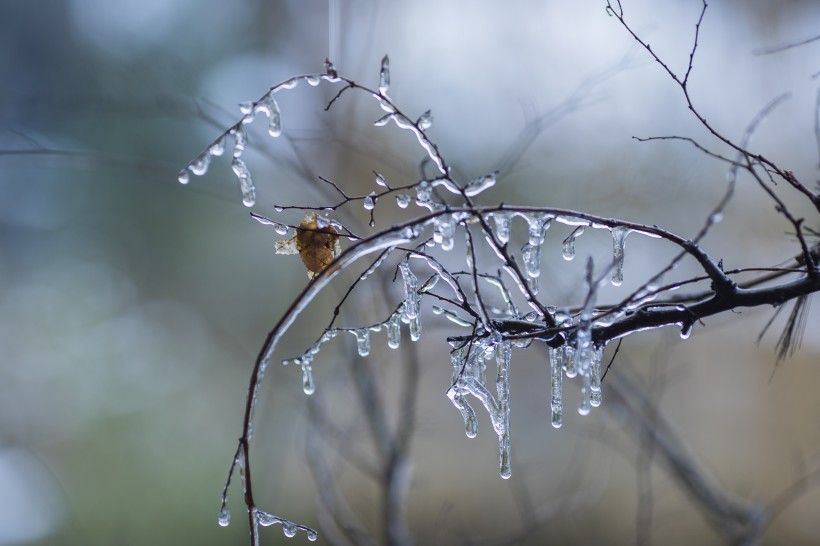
(132, 308)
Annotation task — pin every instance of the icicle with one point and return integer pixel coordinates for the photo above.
(618, 239)
(394, 331)
(308, 384)
(411, 309)
(245, 182)
(425, 121)
(200, 165)
(556, 387)
(569, 243)
(480, 184)
(402, 200)
(224, 517)
(531, 252)
(415, 328)
(271, 110)
(370, 201)
(586, 403)
(503, 353)
(503, 220)
(569, 362)
(184, 176)
(240, 140)
(595, 397)
(384, 76)
(362, 341)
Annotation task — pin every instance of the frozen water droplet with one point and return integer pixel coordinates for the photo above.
(384, 76)
(280, 229)
(246, 107)
(218, 147)
(245, 182)
(425, 120)
(686, 330)
(370, 201)
(185, 176)
(474, 187)
(402, 200)
(380, 181)
(290, 84)
(240, 140)
(289, 529)
(618, 241)
(362, 341)
(266, 520)
(569, 243)
(224, 517)
(308, 385)
(313, 80)
(503, 220)
(312, 535)
(200, 165)
(569, 362)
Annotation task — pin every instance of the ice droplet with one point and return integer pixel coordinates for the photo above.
(184, 176)
(503, 220)
(245, 182)
(423, 191)
(290, 84)
(280, 229)
(569, 243)
(313, 80)
(246, 107)
(224, 517)
(425, 120)
(474, 187)
(384, 75)
(686, 330)
(200, 165)
(370, 201)
(380, 181)
(362, 341)
(266, 520)
(556, 387)
(312, 535)
(569, 362)
(218, 147)
(289, 528)
(618, 240)
(402, 200)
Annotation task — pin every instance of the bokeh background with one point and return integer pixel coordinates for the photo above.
(132, 308)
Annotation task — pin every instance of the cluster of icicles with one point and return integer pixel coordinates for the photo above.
(578, 357)
(266, 105)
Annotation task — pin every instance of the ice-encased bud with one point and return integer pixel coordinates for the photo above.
(425, 121)
(402, 200)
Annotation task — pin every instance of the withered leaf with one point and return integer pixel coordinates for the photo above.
(317, 247)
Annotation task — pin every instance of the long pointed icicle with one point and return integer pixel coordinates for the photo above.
(411, 286)
(503, 353)
(556, 387)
